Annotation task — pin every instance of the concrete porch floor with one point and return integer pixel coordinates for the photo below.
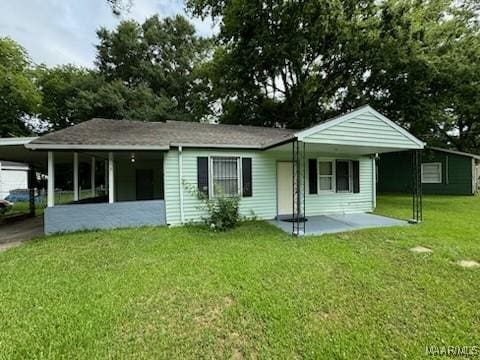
(329, 224)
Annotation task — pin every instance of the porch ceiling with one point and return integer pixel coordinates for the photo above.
(38, 158)
(19, 153)
(337, 149)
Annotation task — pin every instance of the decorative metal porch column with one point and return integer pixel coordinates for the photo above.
(298, 181)
(32, 183)
(417, 205)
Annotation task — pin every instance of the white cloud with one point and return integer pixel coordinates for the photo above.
(64, 31)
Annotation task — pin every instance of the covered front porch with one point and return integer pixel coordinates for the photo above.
(91, 188)
(329, 185)
(126, 189)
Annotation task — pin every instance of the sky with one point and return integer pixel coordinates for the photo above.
(64, 31)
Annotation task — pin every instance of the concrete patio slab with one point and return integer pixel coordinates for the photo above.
(329, 224)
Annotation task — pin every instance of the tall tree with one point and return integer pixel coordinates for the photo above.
(19, 97)
(294, 63)
(61, 87)
(161, 55)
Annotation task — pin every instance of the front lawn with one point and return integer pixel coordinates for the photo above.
(254, 292)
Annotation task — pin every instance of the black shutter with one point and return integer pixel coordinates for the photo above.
(337, 175)
(247, 177)
(312, 176)
(356, 176)
(202, 175)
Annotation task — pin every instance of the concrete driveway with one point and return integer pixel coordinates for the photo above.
(14, 234)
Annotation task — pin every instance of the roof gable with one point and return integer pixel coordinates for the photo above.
(364, 126)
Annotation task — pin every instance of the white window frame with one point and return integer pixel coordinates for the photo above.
(319, 176)
(439, 164)
(211, 191)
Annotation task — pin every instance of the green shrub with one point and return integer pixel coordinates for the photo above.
(223, 211)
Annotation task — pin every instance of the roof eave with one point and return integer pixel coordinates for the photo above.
(45, 146)
(217, 146)
(454, 152)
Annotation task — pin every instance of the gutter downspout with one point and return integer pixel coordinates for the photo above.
(180, 175)
(1, 184)
(374, 181)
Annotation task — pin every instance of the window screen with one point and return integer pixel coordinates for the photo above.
(325, 171)
(432, 173)
(343, 176)
(225, 176)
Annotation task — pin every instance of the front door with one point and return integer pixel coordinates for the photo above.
(144, 184)
(285, 188)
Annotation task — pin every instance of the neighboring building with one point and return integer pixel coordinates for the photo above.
(152, 167)
(13, 176)
(444, 171)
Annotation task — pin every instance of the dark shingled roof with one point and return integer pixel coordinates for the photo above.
(124, 133)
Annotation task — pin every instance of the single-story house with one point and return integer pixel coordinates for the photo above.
(151, 167)
(13, 176)
(443, 171)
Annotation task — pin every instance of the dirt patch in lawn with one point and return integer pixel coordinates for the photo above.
(421, 250)
(468, 263)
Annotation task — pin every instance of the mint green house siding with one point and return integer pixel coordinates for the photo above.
(263, 202)
(457, 173)
(367, 129)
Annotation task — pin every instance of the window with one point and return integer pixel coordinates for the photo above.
(325, 176)
(225, 176)
(432, 173)
(343, 176)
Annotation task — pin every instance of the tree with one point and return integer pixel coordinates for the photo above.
(160, 55)
(115, 100)
(19, 97)
(120, 6)
(61, 86)
(294, 63)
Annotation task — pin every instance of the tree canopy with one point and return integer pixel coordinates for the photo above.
(273, 63)
(143, 72)
(19, 96)
(294, 63)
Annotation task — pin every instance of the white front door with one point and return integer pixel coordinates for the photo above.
(285, 188)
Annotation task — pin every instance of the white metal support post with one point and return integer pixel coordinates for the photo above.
(51, 180)
(75, 177)
(180, 176)
(1, 193)
(92, 178)
(111, 179)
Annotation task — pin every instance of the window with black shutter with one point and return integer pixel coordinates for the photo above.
(225, 176)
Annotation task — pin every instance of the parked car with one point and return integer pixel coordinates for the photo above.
(23, 195)
(5, 206)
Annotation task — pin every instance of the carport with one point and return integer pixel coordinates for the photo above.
(13, 149)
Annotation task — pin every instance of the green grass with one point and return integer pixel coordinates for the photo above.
(252, 292)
